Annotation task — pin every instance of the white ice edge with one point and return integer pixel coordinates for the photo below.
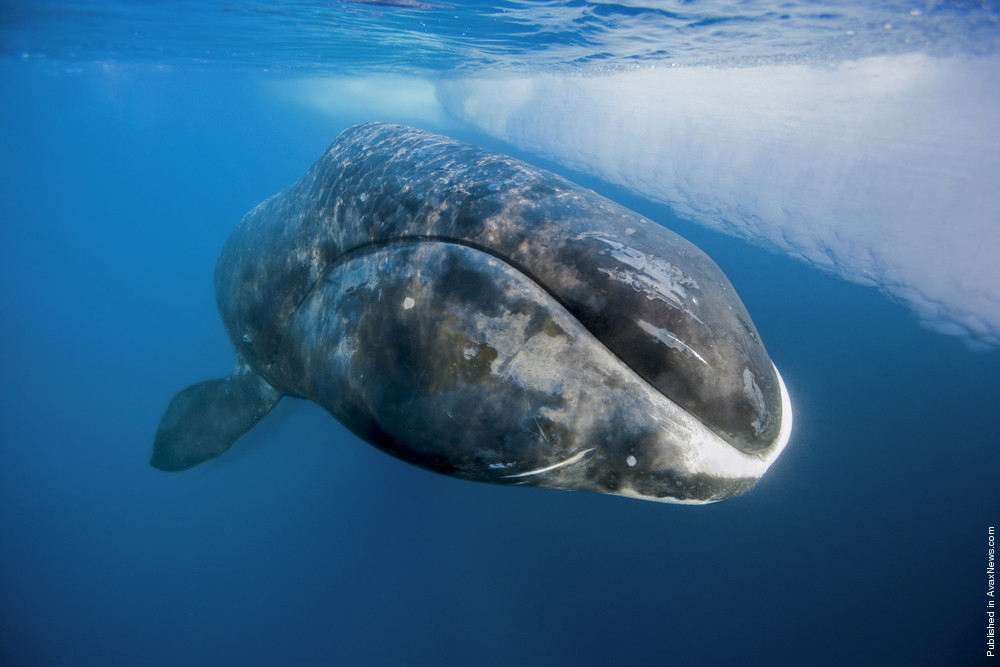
(883, 170)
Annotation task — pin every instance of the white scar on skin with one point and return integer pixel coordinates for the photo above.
(570, 461)
(654, 277)
(670, 340)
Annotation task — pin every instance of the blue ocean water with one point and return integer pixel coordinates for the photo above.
(135, 136)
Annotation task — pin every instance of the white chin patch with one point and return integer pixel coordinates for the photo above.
(786, 420)
(711, 455)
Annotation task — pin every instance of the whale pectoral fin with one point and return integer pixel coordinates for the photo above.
(204, 420)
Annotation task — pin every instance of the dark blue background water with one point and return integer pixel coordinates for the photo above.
(864, 543)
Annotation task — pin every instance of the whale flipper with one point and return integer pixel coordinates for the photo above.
(204, 420)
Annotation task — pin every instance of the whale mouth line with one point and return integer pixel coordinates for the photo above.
(418, 239)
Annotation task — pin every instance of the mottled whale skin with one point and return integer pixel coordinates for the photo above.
(489, 320)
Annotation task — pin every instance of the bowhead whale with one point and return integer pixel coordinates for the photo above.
(489, 320)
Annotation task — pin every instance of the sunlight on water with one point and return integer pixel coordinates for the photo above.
(431, 38)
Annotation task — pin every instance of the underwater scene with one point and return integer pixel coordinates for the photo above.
(562, 245)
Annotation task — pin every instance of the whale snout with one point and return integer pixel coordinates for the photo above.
(711, 468)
